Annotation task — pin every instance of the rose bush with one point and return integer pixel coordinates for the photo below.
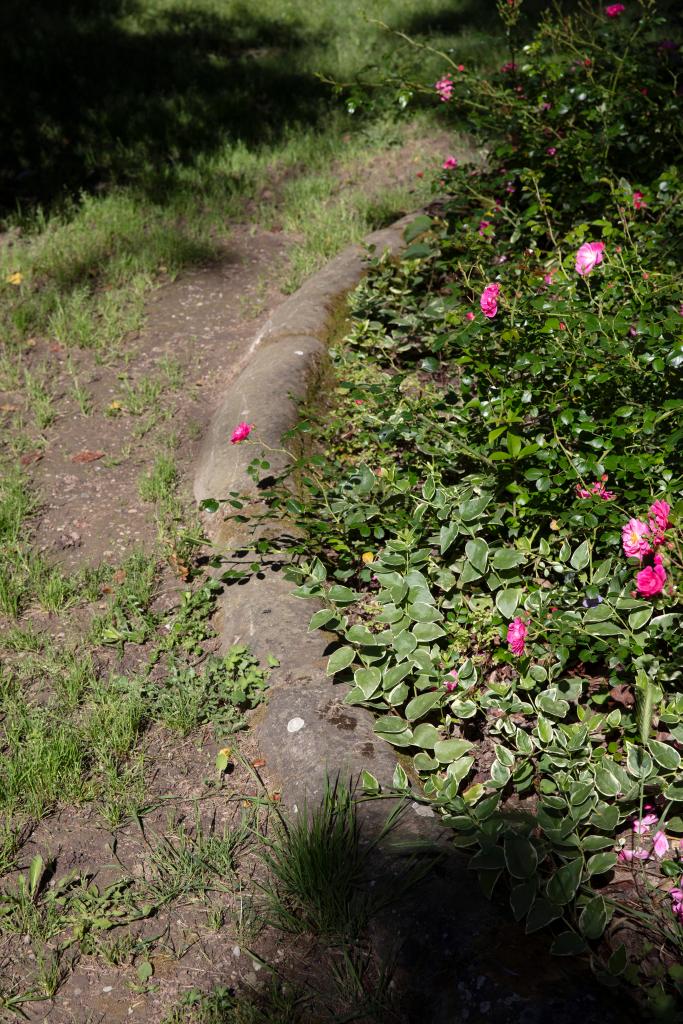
(515, 623)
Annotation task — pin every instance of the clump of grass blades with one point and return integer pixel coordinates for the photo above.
(319, 869)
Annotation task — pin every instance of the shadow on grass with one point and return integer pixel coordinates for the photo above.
(96, 92)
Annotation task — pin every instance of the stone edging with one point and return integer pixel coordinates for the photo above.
(307, 733)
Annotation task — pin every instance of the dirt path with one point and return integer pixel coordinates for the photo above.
(161, 397)
(107, 424)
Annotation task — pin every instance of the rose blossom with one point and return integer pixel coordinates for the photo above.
(651, 580)
(627, 855)
(516, 636)
(642, 825)
(638, 201)
(614, 10)
(677, 901)
(450, 163)
(633, 538)
(469, 315)
(659, 513)
(450, 683)
(241, 432)
(551, 150)
(444, 87)
(588, 257)
(660, 844)
(488, 300)
(597, 489)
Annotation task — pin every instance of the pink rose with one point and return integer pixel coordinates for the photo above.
(651, 580)
(241, 432)
(627, 854)
(469, 315)
(597, 489)
(660, 844)
(635, 538)
(450, 163)
(659, 512)
(450, 683)
(488, 300)
(551, 150)
(483, 225)
(677, 901)
(614, 10)
(516, 636)
(638, 201)
(588, 257)
(444, 88)
(642, 825)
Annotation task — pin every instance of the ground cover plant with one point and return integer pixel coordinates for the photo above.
(493, 522)
(118, 716)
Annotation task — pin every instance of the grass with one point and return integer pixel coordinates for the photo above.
(100, 201)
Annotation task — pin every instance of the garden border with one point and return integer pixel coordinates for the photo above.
(307, 734)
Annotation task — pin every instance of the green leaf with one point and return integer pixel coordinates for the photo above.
(640, 618)
(321, 618)
(341, 659)
(425, 632)
(145, 971)
(592, 843)
(542, 913)
(564, 884)
(35, 873)
(506, 558)
(477, 552)
(606, 783)
(665, 755)
(425, 735)
(417, 251)
(369, 783)
(451, 750)
(488, 859)
(400, 780)
(505, 756)
(603, 628)
(457, 770)
(599, 863)
(507, 601)
(514, 444)
(568, 944)
(616, 964)
(601, 571)
(638, 762)
(393, 676)
(522, 897)
(424, 702)
(472, 509)
(417, 227)
(447, 535)
(581, 556)
(594, 918)
(521, 858)
(360, 635)
(420, 611)
(397, 737)
(367, 680)
(404, 644)
(209, 505)
(342, 595)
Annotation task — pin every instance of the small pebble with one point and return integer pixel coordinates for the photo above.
(108, 988)
(294, 724)
(236, 951)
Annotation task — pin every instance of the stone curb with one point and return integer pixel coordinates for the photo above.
(307, 734)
